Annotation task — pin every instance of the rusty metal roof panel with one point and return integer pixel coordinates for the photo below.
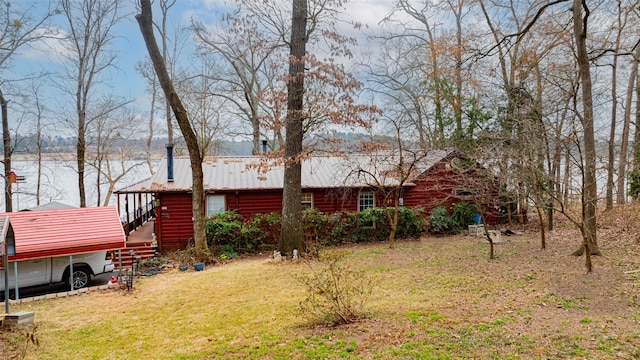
(65, 232)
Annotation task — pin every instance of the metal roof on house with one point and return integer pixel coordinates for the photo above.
(63, 232)
(259, 173)
(54, 205)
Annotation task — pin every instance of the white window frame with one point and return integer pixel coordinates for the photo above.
(370, 199)
(214, 207)
(308, 201)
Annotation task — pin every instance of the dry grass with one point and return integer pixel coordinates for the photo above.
(435, 298)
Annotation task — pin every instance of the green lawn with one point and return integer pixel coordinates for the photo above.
(438, 298)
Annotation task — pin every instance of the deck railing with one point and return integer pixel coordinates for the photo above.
(135, 219)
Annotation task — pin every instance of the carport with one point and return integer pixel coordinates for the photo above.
(53, 233)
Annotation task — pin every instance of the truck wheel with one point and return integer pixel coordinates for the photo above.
(80, 278)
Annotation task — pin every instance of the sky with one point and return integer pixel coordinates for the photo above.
(123, 79)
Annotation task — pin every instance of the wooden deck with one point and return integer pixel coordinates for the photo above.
(143, 235)
(142, 242)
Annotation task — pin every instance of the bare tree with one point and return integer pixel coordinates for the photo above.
(90, 26)
(251, 57)
(207, 112)
(112, 150)
(147, 72)
(388, 168)
(621, 194)
(38, 110)
(622, 16)
(590, 188)
(145, 21)
(17, 28)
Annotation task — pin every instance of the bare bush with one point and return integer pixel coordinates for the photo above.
(336, 293)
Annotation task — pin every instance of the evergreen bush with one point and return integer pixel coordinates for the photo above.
(463, 214)
(441, 223)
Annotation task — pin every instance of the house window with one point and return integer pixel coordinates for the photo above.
(465, 192)
(366, 200)
(307, 200)
(215, 204)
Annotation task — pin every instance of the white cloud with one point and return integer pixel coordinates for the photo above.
(369, 13)
(50, 48)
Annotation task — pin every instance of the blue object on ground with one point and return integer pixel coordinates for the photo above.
(477, 219)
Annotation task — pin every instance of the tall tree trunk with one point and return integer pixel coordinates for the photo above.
(565, 177)
(614, 113)
(6, 141)
(291, 236)
(589, 186)
(636, 134)
(543, 237)
(39, 157)
(81, 148)
(195, 158)
(457, 109)
(152, 111)
(621, 194)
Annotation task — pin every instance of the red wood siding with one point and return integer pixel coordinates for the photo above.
(437, 187)
(251, 203)
(331, 201)
(174, 220)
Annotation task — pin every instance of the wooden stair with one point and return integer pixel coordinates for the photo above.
(142, 252)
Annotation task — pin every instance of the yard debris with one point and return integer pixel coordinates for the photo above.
(154, 270)
(509, 232)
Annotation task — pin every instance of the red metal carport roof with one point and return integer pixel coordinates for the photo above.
(63, 232)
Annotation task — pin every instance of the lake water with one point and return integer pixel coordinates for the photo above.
(59, 182)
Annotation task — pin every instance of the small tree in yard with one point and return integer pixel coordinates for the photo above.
(480, 189)
(390, 167)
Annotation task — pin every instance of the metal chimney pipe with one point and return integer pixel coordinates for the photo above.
(264, 146)
(169, 162)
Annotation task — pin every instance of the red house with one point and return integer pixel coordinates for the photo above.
(249, 186)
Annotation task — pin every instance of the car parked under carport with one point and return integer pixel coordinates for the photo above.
(69, 245)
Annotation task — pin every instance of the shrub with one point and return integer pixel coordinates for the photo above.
(221, 228)
(320, 229)
(440, 221)
(265, 227)
(228, 231)
(371, 225)
(315, 225)
(227, 252)
(335, 293)
(463, 214)
(224, 229)
(410, 223)
(368, 225)
(337, 228)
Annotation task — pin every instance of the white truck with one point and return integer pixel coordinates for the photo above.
(57, 269)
